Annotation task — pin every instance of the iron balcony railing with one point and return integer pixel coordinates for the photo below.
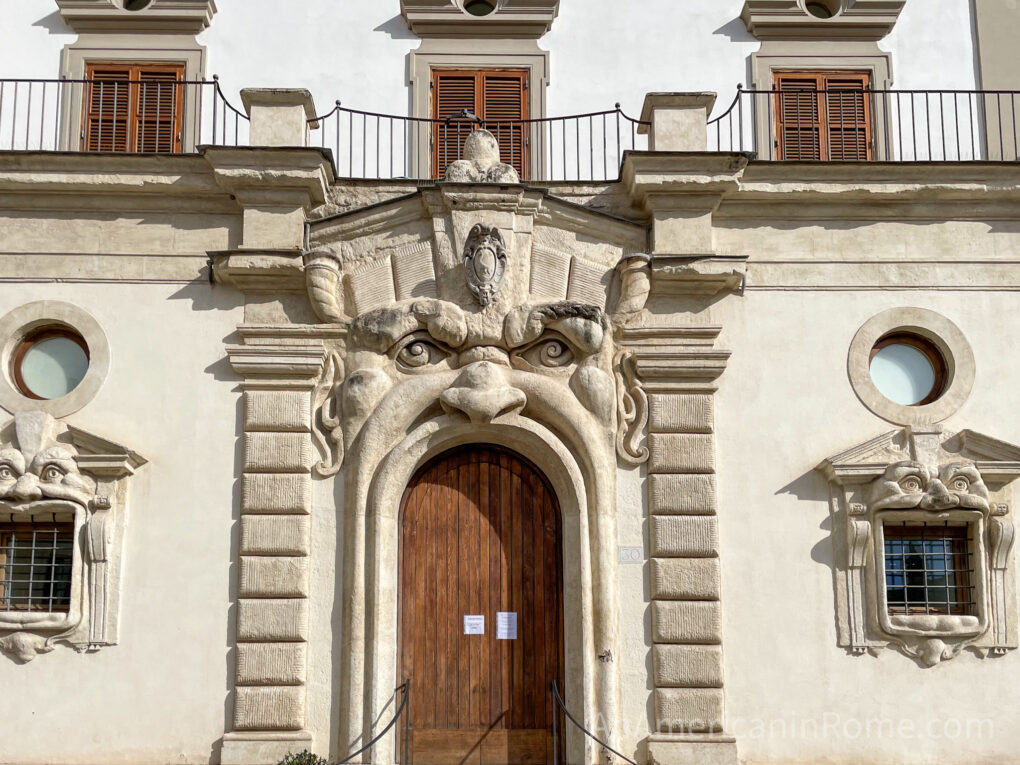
(579, 147)
(838, 124)
(151, 116)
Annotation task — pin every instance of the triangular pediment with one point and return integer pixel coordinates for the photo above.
(997, 460)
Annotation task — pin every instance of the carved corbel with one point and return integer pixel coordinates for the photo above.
(324, 280)
(634, 277)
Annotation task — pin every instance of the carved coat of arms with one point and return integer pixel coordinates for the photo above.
(485, 261)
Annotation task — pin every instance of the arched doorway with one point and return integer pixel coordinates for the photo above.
(480, 537)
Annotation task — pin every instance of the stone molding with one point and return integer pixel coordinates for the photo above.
(161, 16)
(923, 474)
(280, 367)
(789, 20)
(31, 316)
(944, 334)
(447, 18)
(678, 369)
(58, 469)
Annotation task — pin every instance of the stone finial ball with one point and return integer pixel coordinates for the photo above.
(481, 147)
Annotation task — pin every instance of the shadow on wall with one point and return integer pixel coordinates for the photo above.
(736, 31)
(812, 487)
(54, 24)
(396, 28)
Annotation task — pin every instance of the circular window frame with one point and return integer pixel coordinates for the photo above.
(36, 336)
(932, 327)
(835, 8)
(497, 5)
(21, 323)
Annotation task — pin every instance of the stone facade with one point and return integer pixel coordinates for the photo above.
(675, 351)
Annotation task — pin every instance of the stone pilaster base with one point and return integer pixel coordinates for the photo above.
(692, 750)
(262, 748)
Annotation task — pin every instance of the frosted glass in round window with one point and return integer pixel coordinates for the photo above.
(907, 370)
(50, 364)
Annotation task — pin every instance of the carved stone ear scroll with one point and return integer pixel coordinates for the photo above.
(485, 261)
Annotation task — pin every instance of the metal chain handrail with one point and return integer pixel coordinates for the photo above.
(406, 688)
(556, 750)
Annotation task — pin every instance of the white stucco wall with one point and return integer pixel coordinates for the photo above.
(784, 404)
(163, 694)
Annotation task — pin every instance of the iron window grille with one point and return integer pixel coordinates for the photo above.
(929, 568)
(36, 557)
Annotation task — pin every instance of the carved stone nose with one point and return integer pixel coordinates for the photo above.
(481, 392)
(26, 489)
(938, 497)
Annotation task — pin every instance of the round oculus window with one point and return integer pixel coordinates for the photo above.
(136, 5)
(479, 7)
(908, 369)
(821, 10)
(50, 362)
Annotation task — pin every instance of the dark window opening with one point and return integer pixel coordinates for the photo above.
(929, 568)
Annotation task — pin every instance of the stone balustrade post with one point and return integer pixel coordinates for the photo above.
(279, 116)
(679, 121)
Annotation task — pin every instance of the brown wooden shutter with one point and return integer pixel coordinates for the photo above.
(497, 96)
(847, 108)
(822, 116)
(134, 107)
(452, 92)
(107, 116)
(504, 99)
(158, 109)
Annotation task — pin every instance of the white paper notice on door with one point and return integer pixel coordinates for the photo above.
(474, 624)
(506, 625)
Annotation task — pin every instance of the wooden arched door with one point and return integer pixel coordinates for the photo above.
(480, 537)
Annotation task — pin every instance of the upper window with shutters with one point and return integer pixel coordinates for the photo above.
(822, 116)
(495, 99)
(133, 107)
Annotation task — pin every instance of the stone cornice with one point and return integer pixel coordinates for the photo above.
(272, 171)
(667, 177)
(675, 359)
(512, 18)
(868, 20)
(161, 17)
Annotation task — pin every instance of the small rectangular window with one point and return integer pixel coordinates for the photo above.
(823, 116)
(133, 107)
(497, 96)
(928, 568)
(35, 565)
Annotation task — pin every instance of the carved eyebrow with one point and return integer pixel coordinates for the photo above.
(379, 330)
(584, 325)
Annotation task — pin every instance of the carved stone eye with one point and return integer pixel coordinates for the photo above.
(551, 353)
(911, 484)
(6, 473)
(960, 484)
(52, 473)
(418, 353)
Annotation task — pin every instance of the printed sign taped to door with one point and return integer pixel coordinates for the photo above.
(506, 625)
(474, 624)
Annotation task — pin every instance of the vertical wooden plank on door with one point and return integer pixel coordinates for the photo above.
(451, 619)
(506, 585)
(463, 596)
(539, 611)
(517, 656)
(438, 512)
